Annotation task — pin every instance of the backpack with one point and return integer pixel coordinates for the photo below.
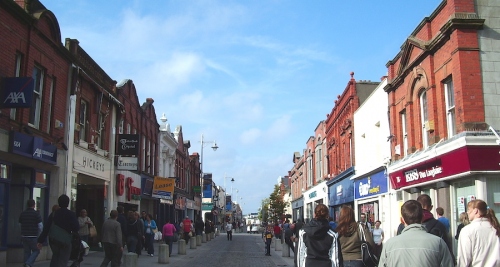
(433, 229)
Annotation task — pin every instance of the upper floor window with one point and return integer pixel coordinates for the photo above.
(19, 60)
(319, 158)
(101, 130)
(404, 132)
(36, 106)
(450, 107)
(82, 121)
(128, 128)
(424, 117)
(120, 129)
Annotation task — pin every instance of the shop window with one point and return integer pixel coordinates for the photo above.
(464, 192)
(36, 108)
(371, 211)
(493, 193)
(4, 177)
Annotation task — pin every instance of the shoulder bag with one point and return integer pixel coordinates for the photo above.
(60, 235)
(369, 259)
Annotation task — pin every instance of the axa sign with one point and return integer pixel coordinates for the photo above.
(17, 92)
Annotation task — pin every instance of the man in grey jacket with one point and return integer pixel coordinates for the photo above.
(414, 246)
(112, 241)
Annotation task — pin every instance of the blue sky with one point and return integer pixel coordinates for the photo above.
(257, 76)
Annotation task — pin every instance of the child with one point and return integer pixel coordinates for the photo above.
(268, 237)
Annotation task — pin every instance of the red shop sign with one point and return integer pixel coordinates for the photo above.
(121, 184)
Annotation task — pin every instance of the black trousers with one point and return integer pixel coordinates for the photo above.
(112, 253)
(230, 235)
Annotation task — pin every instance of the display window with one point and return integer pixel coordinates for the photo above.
(371, 211)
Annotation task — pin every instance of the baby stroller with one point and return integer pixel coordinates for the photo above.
(79, 248)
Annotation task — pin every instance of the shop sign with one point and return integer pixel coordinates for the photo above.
(33, 147)
(163, 187)
(341, 192)
(122, 184)
(127, 163)
(197, 203)
(91, 164)
(18, 92)
(464, 159)
(128, 145)
(180, 203)
(189, 204)
(312, 194)
(166, 201)
(207, 185)
(371, 185)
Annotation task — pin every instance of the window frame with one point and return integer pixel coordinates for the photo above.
(38, 76)
(424, 117)
(83, 114)
(449, 92)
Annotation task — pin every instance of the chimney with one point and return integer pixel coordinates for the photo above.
(149, 100)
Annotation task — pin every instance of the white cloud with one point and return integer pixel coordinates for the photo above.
(250, 136)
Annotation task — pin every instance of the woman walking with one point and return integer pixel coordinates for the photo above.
(479, 242)
(168, 232)
(318, 245)
(378, 238)
(464, 220)
(149, 227)
(350, 238)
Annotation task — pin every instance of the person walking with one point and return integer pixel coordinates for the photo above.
(199, 226)
(134, 232)
(319, 245)
(112, 241)
(268, 238)
(168, 232)
(414, 246)
(186, 228)
(378, 238)
(277, 231)
(31, 225)
(464, 220)
(364, 220)
(229, 231)
(289, 236)
(442, 219)
(123, 223)
(296, 230)
(350, 237)
(432, 225)
(65, 220)
(141, 239)
(479, 241)
(84, 222)
(149, 234)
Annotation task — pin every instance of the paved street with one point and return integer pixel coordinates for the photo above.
(245, 250)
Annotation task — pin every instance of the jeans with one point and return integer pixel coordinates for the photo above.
(186, 237)
(290, 244)
(132, 243)
(268, 246)
(229, 235)
(31, 251)
(169, 240)
(112, 253)
(354, 263)
(85, 238)
(60, 253)
(149, 243)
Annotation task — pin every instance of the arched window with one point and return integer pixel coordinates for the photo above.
(424, 118)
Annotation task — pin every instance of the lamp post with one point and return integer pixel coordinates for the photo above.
(214, 147)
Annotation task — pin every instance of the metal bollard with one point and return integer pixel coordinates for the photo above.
(192, 242)
(181, 246)
(130, 260)
(285, 251)
(163, 254)
(204, 238)
(198, 240)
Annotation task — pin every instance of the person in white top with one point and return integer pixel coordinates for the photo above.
(229, 231)
(479, 241)
(378, 238)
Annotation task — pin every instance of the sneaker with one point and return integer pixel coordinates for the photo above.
(151, 255)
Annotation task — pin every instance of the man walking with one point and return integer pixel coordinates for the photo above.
(442, 219)
(112, 241)
(31, 224)
(363, 221)
(229, 231)
(414, 246)
(432, 225)
(123, 223)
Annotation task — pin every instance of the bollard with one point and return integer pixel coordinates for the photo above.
(192, 242)
(204, 238)
(286, 250)
(272, 242)
(181, 246)
(217, 232)
(208, 237)
(130, 260)
(278, 245)
(212, 235)
(163, 254)
(198, 240)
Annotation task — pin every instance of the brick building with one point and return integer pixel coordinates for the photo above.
(340, 143)
(443, 103)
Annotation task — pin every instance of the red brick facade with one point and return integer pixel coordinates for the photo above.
(442, 49)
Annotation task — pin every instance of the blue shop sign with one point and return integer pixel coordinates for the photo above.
(341, 192)
(33, 147)
(18, 92)
(371, 185)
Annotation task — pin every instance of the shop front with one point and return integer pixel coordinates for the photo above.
(452, 174)
(90, 183)
(341, 192)
(312, 197)
(370, 192)
(29, 167)
(180, 207)
(147, 202)
(298, 209)
(128, 190)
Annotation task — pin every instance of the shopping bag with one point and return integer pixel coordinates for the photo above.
(92, 231)
(158, 236)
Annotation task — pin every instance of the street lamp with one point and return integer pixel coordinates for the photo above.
(203, 144)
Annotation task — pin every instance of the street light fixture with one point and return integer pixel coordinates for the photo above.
(203, 144)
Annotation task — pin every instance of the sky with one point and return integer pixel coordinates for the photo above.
(255, 76)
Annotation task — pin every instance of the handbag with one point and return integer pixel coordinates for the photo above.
(92, 231)
(190, 234)
(369, 259)
(60, 235)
